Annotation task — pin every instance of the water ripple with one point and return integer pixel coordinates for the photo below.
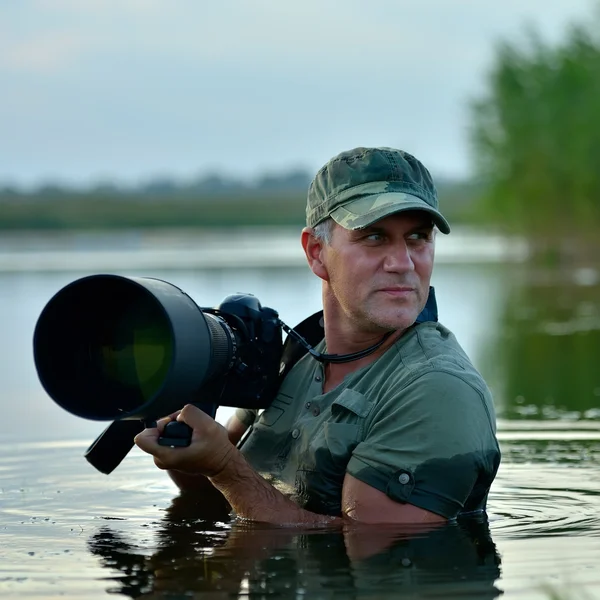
(532, 500)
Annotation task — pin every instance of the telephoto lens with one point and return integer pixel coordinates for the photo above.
(134, 349)
(110, 347)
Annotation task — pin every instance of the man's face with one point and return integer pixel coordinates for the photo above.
(379, 276)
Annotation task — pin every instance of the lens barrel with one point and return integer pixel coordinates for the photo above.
(112, 347)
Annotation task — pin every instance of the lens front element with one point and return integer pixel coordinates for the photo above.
(135, 350)
(111, 347)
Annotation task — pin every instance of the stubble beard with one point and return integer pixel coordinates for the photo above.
(398, 315)
(376, 315)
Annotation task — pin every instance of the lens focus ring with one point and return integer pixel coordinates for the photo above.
(223, 345)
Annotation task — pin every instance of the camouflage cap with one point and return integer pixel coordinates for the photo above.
(361, 186)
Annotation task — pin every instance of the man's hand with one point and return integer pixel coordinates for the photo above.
(208, 453)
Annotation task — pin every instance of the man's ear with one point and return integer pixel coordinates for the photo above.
(314, 249)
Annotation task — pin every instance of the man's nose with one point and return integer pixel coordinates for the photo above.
(399, 258)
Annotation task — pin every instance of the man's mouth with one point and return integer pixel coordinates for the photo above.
(398, 290)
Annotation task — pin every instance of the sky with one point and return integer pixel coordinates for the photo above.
(94, 91)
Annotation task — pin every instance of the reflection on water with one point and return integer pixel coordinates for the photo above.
(194, 555)
(70, 531)
(548, 349)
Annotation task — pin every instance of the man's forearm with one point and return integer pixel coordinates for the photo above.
(188, 482)
(252, 497)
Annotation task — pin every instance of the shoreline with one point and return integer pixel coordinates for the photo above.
(185, 249)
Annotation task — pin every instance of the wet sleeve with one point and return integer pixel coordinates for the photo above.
(427, 443)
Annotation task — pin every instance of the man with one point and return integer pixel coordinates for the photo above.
(403, 431)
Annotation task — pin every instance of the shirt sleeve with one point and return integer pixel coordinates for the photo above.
(429, 444)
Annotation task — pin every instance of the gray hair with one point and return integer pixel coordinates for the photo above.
(324, 230)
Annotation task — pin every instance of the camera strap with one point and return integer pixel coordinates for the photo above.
(311, 332)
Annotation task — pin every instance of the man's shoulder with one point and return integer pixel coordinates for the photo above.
(429, 340)
(423, 365)
(431, 348)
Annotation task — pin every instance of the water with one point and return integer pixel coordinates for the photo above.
(69, 531)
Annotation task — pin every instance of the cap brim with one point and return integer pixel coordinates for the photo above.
(364, 211)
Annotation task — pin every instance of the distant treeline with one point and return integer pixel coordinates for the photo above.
(212, 184)
(209, 202)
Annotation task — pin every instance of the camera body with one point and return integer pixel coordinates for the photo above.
(253, 351)
(251, 378)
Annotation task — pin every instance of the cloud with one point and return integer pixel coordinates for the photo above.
(44, 54)
(96, 7)
(48, 36)
(54, 33)
(319, 35)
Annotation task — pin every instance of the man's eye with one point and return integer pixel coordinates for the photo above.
(374, 237)
(420, 235)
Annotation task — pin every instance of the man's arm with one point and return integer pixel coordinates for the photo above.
(252, 497)
(362, 502)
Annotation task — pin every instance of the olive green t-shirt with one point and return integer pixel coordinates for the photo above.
(418, 424)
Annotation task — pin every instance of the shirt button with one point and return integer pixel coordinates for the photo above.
(308, 404)
(404, 478)
(316, 411)
(318, 378)
(295, 433)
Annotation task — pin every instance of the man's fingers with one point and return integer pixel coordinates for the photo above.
(164, 456)
(160, 424)
(147, 439)
(206, 454)
(194, 417)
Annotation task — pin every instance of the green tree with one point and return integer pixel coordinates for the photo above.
(536, 135)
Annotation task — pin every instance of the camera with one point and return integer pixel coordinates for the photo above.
(133, 349)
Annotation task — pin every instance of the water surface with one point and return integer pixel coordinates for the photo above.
(69, 531)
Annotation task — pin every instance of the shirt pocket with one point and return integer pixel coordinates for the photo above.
(341, 432)
(340, 440)
(350, 406)
(322, 468)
